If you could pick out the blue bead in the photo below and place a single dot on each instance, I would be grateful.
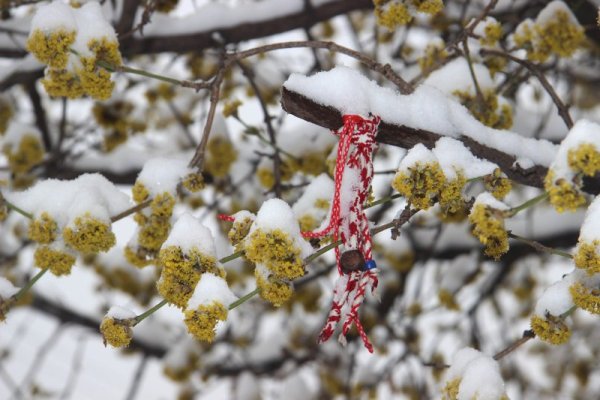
(370, 264)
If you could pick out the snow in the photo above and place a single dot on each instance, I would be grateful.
(427, 108)
(215, 16)
(590, 229)
(583, 132)
(489, 200)
(321, 188)
(456, 76)
(481, 380)
(277, 214)
(162, 174)
(556, 299)
(17, 131)
(188, 233)
(91, 193)
(419, 154)
(91, 24)
(548, 13)
(479, 374)
(54, 16)
(454, 157)
(457, 271)
(118, 312)
(210, 289)
(7, 289)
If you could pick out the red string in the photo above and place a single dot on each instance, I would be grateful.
(225, 217)
(355, 152)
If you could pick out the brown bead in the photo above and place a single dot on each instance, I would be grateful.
(352, 260)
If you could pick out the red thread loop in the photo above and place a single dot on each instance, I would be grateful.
(225, 217)
(348, 222)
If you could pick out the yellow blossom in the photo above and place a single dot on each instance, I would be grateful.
(585, 298)
(496, 184)
(88, 234)
(421, 185)
(221, 154)
(26, 155)
(140, 192)
(43, 229)
(434, 54)
(194, 182)
(563, 195)
(551, 329)
(428, 6)
(6, 113)
(273, 290)
(488, 227)
(62, 83)
(277, 251)
(392, 15)
(492, 33)
(116, 332)
(584, 159)
(587, 257)
(57, 261)
(51, 48)
(202, 321)
(451, 199)
(448, 300)
(489, 112)
(239, 230)
(450, 391)
(230, 108)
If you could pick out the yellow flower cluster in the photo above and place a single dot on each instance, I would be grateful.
(492, 34)
(497, 184)
(448, 300)
(6, 113)
(564, 195)
(271, 289)
(550, 329)
(421, 185)
(584, 159)
(450, 390)
(117, 332)
(26, 155)
(201, 322)
(221, 154)
(277, 251)
(193, 182)
(489, 112)
(239, 230)
(89, 235)
(153, 226)
(51, 48)
(165, 6)
(393, 13)
(450, 198)
(164, 91)
(75, 72)
(488, 228)
(266, 177)
(58, 261)
(560, 35)
(181, 273)
(434, 54)
(585, 297)
(43, 229)
(587, 256)
(231, 108)
(116, 118)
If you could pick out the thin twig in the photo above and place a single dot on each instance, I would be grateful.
(527, 336)
(563, 110)
(540, 247)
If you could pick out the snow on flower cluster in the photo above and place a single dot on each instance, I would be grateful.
(79, 47)
(192, 278)
(23, 148)
(487, 218)
(116, 326)
(160, 182)
(577, 156)
(473, 375)
(426, 176)
(555, 31)
(70, 217)
(274, 243)
(393, 13)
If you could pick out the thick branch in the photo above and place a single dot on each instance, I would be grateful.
(218, 37)
(406, 137)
